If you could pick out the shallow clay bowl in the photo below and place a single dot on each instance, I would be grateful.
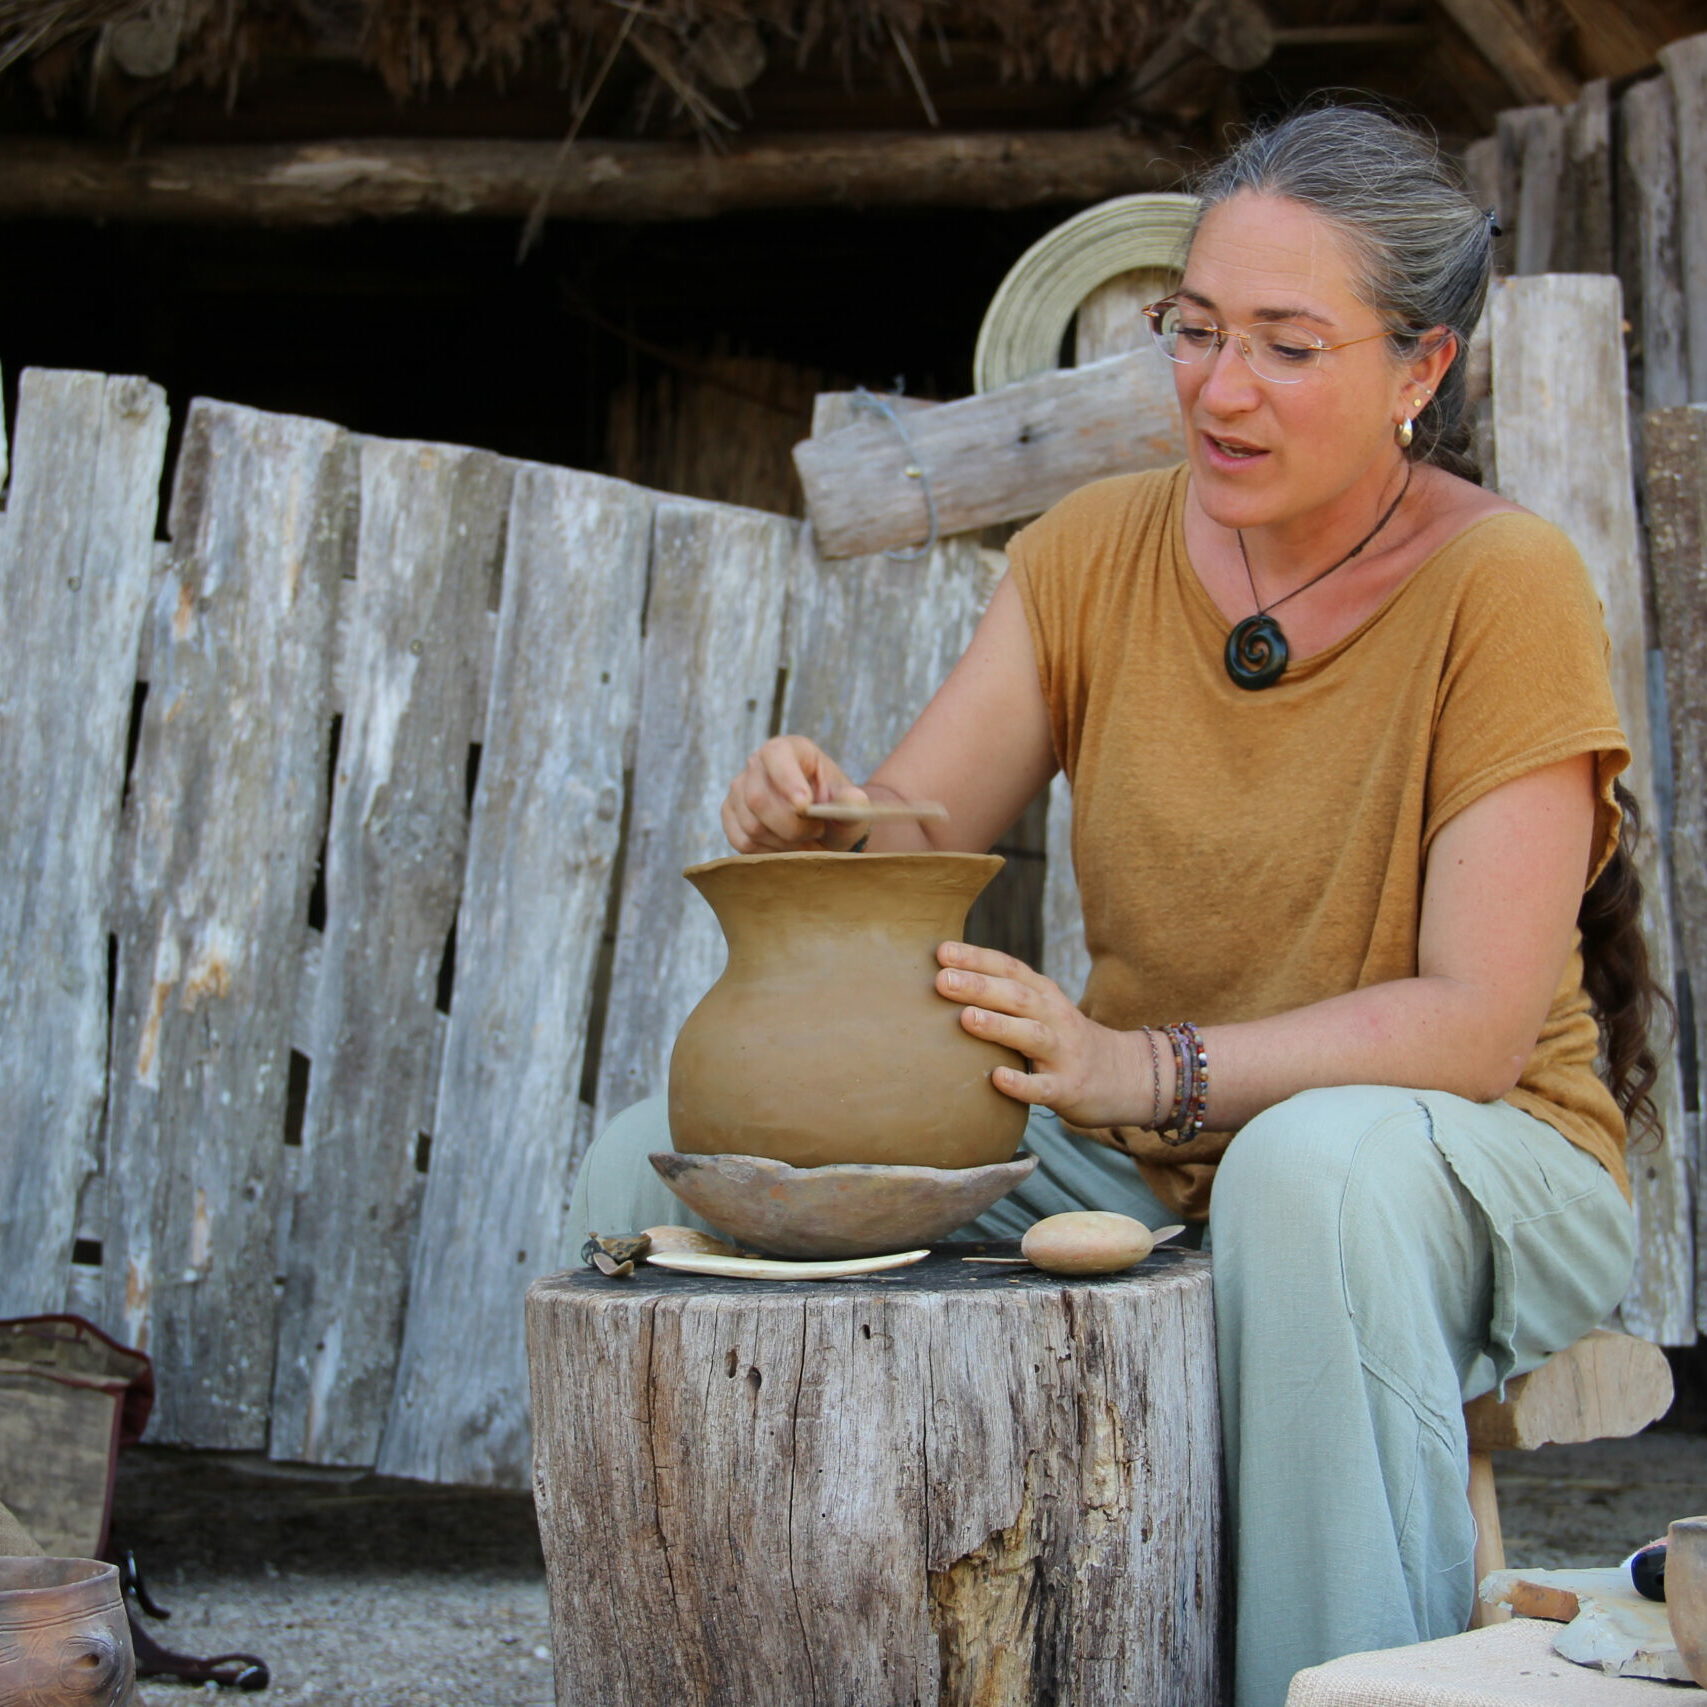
(848, 1209)
(1686, 1593)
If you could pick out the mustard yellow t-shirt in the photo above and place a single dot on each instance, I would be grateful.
(1243, 853)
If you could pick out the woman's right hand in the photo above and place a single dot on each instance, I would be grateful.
(763, 811)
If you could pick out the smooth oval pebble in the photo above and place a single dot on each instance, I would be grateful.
(1086, 1241)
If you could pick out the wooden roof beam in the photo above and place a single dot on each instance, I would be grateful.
(1505, 39)
(331, 183)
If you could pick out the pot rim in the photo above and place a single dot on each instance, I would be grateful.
(820, 856)
(79, 1587)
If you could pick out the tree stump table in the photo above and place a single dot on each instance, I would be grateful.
(954, 1484)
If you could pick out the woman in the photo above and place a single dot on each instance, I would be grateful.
(1343, 750)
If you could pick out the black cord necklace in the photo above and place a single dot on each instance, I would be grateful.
(1256, 649)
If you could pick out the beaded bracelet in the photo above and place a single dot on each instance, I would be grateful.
(1182, 1078)
(1191, 1095)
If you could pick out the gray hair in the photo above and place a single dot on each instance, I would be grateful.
(1424, 247)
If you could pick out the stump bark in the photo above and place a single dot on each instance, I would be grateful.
(953, 1484)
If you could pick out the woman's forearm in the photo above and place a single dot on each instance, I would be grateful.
(1430, 1033)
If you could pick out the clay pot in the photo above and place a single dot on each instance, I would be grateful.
(64, 1637)
(825, 1040)
(1686, 1593)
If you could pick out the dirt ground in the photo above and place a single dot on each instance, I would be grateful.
(364, 1592)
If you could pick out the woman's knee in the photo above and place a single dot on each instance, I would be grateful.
(1302, 1155)
(1348, 1183)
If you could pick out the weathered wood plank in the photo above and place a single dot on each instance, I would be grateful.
(1534, 139)
(1559, 358)
(76, 551)
(416, 1115)
(988, 459)
(1685, 64)
(431, 538)
(1650, 184)
(225, 810)
(1111, 319)
(1677, 559)
(1021, 1480)
(343, 691)
(869, 640)
(542, 849)
(1588, 151)
(713, 647)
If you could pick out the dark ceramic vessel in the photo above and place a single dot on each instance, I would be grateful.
(1686, 1593)
(64, 1637)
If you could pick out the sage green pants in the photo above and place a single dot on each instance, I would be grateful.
(1381, 1255)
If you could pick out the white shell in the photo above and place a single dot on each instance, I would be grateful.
(773, 1268)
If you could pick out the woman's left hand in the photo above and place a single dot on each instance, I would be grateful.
(1088, 1074)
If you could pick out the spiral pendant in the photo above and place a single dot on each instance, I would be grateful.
(1256, 652)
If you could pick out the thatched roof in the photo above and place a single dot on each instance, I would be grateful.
(692, 59)
(1165, 76)
(695, 46)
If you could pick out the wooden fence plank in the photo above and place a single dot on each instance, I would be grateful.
(542, 848)
(869, 640)
(1677, 547)
(1685, 64)
(1485, 171)
(431, 538)
(1537, 143)
(988, 459)
(1564, 451)
(1111, 319)
(1650, 182)
(75, 556)
(225, 810)
(713, 647)
(1588, 210)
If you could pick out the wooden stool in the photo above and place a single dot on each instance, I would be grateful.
(954, 1483)
(1605, 1386)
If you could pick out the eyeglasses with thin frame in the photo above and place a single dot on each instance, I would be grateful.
(1278, 352)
